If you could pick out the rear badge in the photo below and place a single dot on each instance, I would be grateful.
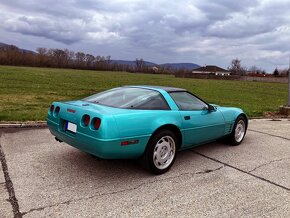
(71, 110)
(85, 104)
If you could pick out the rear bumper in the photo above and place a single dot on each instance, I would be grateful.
(102, 148)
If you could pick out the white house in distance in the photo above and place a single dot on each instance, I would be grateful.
(211, 69)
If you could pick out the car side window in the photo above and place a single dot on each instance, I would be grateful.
(187, 101)
(153, 103)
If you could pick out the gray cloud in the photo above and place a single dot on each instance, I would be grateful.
(200, 31)
(58, 31)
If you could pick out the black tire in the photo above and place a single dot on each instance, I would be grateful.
(238, 132)
(156, 153)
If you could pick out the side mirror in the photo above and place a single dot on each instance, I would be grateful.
(211, 108)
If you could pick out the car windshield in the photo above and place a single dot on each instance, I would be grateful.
(130, 98)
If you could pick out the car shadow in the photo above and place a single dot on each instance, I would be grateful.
(85, 164)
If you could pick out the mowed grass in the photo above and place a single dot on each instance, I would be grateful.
(26, 93)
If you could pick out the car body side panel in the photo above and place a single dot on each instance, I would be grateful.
(145, 122)
(202, 126)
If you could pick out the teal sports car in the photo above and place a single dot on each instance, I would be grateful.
(147, 122)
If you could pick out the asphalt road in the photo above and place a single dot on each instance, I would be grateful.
(45, 178)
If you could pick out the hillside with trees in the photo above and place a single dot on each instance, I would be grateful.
(65, 58)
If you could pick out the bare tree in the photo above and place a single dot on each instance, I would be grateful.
(236, 68)
(42, 56)
(256, 70)
(139, 64)
(89, 59)
(107, 62)
(80, 59)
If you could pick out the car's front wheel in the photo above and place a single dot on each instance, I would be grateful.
(161, 152)
(239, 131)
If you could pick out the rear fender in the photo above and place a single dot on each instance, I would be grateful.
(146, 122)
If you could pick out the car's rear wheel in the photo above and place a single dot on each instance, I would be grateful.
(239, 131)
(161, 152)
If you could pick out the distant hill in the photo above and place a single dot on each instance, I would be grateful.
(132, 63)
(23, 50)
(2, 44)
(175, 66)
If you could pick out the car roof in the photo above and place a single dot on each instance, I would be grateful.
(165, 88)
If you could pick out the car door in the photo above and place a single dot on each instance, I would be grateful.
(199, 124)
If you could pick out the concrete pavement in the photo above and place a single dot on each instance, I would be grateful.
(52, 179)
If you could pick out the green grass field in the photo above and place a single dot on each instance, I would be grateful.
(26, 93)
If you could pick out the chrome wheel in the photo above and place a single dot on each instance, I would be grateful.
(240, 130)
(164, 152)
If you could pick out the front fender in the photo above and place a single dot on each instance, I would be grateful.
(230, 115)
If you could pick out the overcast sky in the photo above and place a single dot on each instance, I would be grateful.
(196, 31)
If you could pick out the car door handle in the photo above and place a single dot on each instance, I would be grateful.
(187, 117)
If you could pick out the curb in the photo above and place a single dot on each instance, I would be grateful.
(23, 125)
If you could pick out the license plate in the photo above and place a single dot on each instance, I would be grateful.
(71, 127)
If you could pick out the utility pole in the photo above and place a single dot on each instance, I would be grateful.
(285, 109)
(289, 84)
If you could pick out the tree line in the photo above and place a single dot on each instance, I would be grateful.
(58, 58)
(65, 58)
(236, 68)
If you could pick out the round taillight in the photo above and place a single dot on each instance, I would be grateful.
(51, 108)
(97, 123)
(86, 120)
(57, 109)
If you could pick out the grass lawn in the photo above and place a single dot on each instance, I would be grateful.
(26, 92)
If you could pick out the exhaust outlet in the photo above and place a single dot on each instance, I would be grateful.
(58, 140)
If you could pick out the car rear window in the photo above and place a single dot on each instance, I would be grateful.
(130, 98)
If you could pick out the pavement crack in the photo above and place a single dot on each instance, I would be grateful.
(121, 191)
(9, 185)
(243, 171)
(48, 206)
(277, 136)
(265, 164)
(209, 170)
